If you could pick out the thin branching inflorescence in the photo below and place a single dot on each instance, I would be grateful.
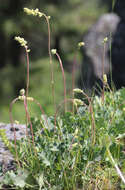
(104, 78)
(80, 44)
(36, 12)
(23, 43)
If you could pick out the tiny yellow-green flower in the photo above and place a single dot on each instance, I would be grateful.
(22, 42)
(53, 51)
(80, 44)
(105, 40)
(77, 90)
(105, 78)
(34, 12)
(22, 92)
(78, 102)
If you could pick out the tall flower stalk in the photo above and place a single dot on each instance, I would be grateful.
(80, 44)
(63, 75)
(103, 66)
(36, 12)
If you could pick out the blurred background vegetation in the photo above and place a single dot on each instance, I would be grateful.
(70, 20)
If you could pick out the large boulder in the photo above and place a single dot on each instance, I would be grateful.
(94, 54)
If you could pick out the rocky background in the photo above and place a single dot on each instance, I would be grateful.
(110, 25)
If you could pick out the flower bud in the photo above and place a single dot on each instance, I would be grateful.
(105, 40)
(53, 51)
(80, 44)
(77, 90)
(105, 78)
(78, 102)
(22, 92)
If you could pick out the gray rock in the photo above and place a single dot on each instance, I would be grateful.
(6, 158)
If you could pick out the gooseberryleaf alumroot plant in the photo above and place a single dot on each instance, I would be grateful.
(66, 157)
(83, 149)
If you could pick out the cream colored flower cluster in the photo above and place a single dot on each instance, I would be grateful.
(77, 90)
(53, 51)
(34, 12)
(80, 44)
(77, 102)
(105, 40)
(22, 42)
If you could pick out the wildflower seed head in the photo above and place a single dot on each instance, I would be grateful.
(21, 98)
(28, 11)
(77, 90)
(22, 42)
(34, 12)
(22, 92)
(105, 78)
(80, 44)
(53, 51)
(49, 17)
(105, 40)
(78, 102)
(40, 14)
